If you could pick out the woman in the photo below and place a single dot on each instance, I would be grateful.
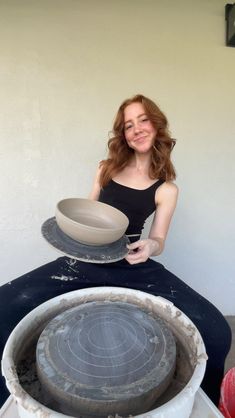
(137, 176)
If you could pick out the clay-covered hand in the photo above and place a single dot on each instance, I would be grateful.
(141, 250)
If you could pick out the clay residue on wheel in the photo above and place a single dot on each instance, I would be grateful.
(184, 332)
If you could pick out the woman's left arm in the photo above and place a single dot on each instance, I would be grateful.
(165, 199)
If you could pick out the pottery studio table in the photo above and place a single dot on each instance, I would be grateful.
(20, 296)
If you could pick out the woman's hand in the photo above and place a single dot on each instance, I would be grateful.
(141, 250)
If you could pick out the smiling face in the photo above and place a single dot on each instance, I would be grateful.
(139, 131)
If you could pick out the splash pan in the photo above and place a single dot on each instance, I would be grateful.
(176, 401)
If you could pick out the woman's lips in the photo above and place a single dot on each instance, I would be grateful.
(141, 138)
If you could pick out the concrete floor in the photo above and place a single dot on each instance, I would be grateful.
(230, 361)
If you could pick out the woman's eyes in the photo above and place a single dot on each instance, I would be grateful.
(143, 120)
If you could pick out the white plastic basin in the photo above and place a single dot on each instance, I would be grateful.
(184, 330)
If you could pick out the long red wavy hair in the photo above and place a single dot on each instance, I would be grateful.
(120, 153)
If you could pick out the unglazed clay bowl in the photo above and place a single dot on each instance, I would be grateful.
(90, 222)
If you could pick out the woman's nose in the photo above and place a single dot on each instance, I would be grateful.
(137, 127)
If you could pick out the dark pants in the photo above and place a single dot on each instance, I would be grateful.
(20, 296)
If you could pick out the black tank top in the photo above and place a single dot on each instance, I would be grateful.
(137, 205)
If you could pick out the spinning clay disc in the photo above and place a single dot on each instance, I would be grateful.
(102, 358)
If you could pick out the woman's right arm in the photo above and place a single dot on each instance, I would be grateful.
(95, 191)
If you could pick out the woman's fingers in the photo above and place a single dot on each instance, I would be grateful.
(141, 250)
(135, 245)
(138, 252)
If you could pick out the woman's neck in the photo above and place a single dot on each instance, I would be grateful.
(140, 162)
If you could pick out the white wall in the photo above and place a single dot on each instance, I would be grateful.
(65, 67)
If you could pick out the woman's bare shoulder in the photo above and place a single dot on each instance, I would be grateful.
(169, 187)
(95, 191)
(167, 190)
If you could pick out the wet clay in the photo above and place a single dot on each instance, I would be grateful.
(90, 221)
(189, 347)
(27, 374)
(103, 357)
(106, 253)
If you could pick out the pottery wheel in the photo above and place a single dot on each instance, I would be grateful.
(92, 254)
(103, 358)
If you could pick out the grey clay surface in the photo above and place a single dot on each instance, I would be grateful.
(108, 253)
(105, 356)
